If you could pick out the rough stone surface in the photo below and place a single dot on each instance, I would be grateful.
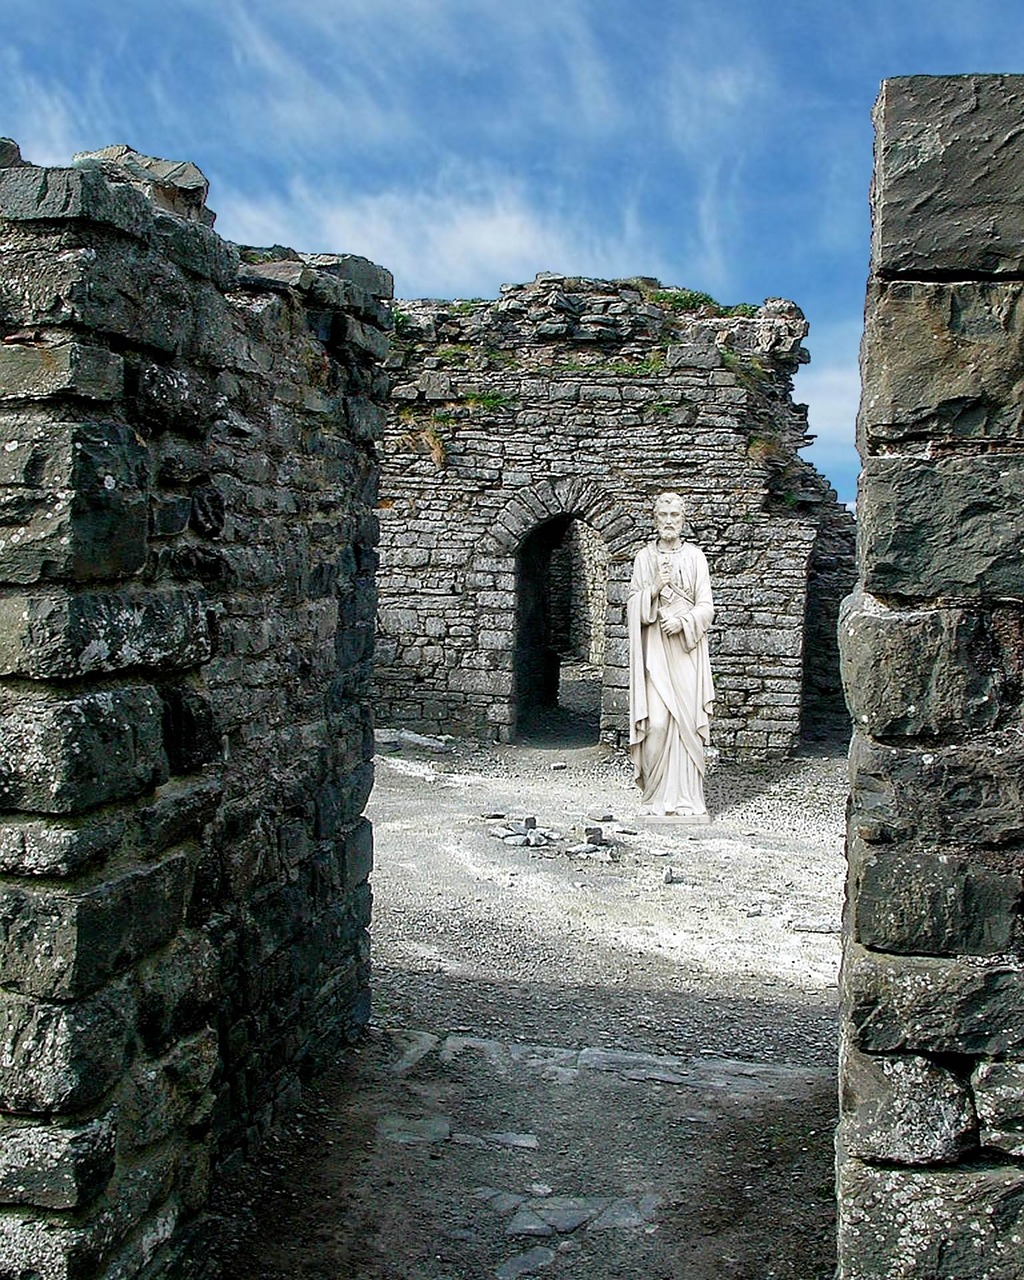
(526, 442)
(947, 167)
(904, 1110)
(923, 1225)
(932, 658)
(942, 528)
(187, 480)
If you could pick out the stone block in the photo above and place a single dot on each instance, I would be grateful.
(55, 1167)
(62, 945)
(66, 754)
(41, 847)
(946, 190)
(178, 812)
(63, 636)
(358, 854)
(908, 672)
(365, 338)
(952, 527)
(955, 795)
(177, 989)
(365, 418)
(903, 1110)
(928, 1005)
(172, 1092)
(73, 501)
(31, 371)
(31, 194)
(198, 250)
(46, 1249)
(376, 280)
(931, 903)
(998, 1089)
(62, 1057)
(942, 362)
(934, 1224)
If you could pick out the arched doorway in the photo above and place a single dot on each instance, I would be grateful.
(561, 604)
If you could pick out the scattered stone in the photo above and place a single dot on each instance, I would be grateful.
(524, 1264)
(527, 1223)
(413, 1130)
(621, 1214)
(418, 1045)
(518, 1141)
(594, 835)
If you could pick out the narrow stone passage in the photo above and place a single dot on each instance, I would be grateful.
(576, 1068)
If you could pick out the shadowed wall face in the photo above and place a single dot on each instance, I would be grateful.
(932, 1127)
(186, 619)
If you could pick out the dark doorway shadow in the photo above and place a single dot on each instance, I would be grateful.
(561, 597)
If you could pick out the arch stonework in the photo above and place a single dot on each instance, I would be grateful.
(522, 513)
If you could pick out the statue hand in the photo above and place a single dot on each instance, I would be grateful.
(671, 626)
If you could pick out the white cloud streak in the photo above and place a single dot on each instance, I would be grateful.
(461, 238)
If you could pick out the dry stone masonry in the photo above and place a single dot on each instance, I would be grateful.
(187, 488)
(932, 1133)
(526, 440)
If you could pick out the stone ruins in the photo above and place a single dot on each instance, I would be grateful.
(188, 502)
(525, 443)
(187, 533)
(932, 1132)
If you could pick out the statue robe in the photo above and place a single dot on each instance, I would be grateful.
(671, 693)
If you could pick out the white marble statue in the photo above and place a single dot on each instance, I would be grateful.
(670, 688)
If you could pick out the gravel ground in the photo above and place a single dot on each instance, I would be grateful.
(612, 1062)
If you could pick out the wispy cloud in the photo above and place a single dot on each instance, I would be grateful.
(462, 237)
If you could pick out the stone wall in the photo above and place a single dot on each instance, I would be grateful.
(187, 530)
(932, 1133)
(575, 400)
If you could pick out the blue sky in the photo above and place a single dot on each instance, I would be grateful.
(469, 143)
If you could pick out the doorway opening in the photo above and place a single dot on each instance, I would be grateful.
(561, 604)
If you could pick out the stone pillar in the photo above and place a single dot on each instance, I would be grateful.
(187, 482)
(932, 1090)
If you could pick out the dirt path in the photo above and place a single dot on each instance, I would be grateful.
(575, 1068)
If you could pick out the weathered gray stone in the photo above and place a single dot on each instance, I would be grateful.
(969, 792)
(945, 196)
(928, 902)
(66, 754)
(367, 275)
(29, 193)
(60, 636)
(172, 1092)
(60, 945)
(41, 847)
(163, 940)
(904, 1110)
(930, 1225)
(75, 502)
(908, 672)
(175, 186)
(998, 1089)
(953, 527)
(62, 1057)
(55, 1167)
(928, 1005)
(32, 372)
(945, 363)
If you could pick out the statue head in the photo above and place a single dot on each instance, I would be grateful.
(669, 513)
